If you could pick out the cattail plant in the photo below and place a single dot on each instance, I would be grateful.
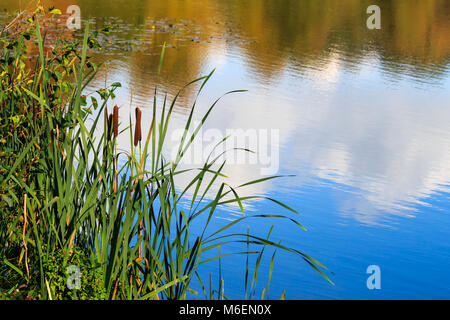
(116, 121)
(137, 131)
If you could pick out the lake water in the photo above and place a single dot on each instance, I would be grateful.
(362, 119)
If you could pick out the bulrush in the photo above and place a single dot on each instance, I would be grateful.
(137, 131)
(116, 121)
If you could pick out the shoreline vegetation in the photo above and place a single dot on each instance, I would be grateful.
(65, 201)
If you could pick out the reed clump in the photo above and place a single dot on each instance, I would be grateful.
(67, 197)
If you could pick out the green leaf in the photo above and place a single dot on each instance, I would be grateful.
(55, 11)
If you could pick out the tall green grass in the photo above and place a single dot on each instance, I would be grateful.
(68, 196)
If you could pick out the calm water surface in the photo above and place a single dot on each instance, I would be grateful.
(363, 116)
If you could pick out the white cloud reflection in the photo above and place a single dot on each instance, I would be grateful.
(387, 143)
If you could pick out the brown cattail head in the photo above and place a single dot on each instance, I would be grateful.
(137, 131)
(116, 121)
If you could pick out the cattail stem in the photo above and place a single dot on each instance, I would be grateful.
(110, 126)
(116, 134)
(109, 121)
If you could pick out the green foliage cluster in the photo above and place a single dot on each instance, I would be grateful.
(20, 113)
(22, 126)
(59, 278)
(90, 277)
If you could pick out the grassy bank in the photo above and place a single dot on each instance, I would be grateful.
(69, 198)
